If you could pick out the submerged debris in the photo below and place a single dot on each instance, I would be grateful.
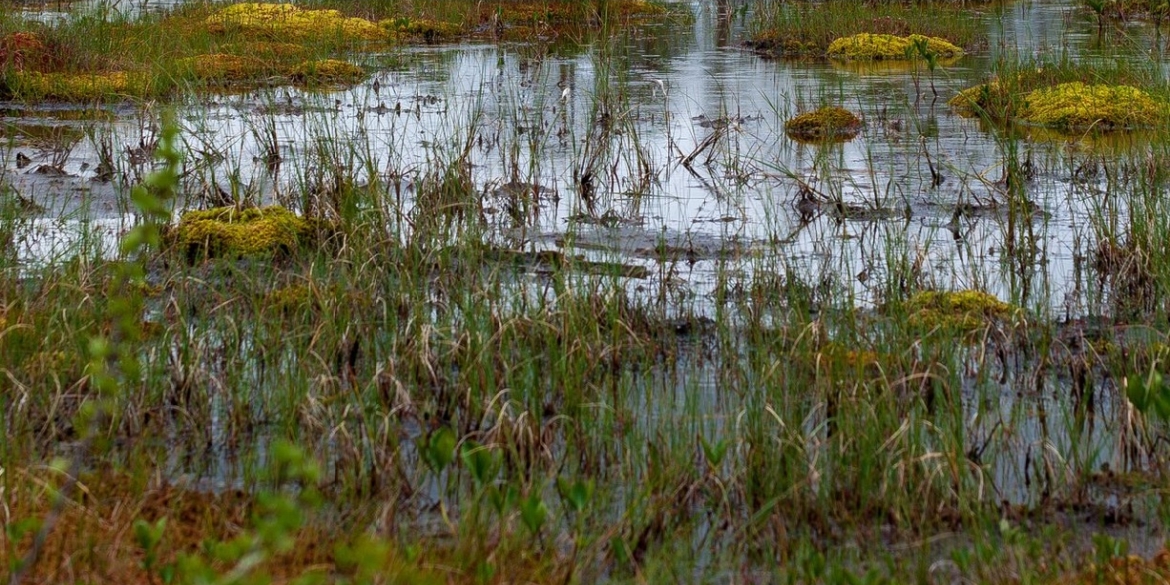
(1079, 106)
(828, 123)
(234, 232)
(878, 46)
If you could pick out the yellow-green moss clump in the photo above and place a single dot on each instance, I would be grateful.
(76, 87)
(291, 299)
(268, 50)
(232, 232)
(875, 46)
(964, 310)
(430, 31)
(971, 102)
(1078, 106)
(327, 71)
(285, 22)
(828, 123)
(222, 67)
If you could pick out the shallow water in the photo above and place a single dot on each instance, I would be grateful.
(627, 113)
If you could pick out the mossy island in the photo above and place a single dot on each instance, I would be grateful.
(1079, 106)
(830, 123)
(962, 310)
(867, 46)
(1072, 107)
(285, 22)
(231, 232)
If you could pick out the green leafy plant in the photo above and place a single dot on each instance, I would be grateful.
(1150, 394)
(439, 449)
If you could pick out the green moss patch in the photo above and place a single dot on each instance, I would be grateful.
(77, 87)
(964, 310)
(1080, 106)
(424, 29)
(232, 232)
(285, 22)
(868, 46)
(828, 123)
(973, 101)
(222, 67)
(327, 71)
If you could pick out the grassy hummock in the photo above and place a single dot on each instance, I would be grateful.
(828, 123)
(867, 46)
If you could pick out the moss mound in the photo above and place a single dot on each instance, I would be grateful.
(868, 46)
(222, 67)
(327, 71)
(232, 232)
(76, 87)
(964, 310)
(970, 102)
(828, 123)
(426, 30)
(284, 22)
(1077, 105)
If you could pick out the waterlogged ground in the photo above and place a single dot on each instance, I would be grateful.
(661, 157)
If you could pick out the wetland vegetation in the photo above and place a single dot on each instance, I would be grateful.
(609, 291)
